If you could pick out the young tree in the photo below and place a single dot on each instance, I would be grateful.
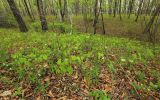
(96, 15)
(151, 22)
(139, 10)
(18, 17)
(110, 7)
(115, 8)
(42, 15)
(125, 7)
(28, 10)
(103, 26)
(130, 7)
(77, 6)
(120, 7)
(31, 9)
(63, 9)
(86, 13)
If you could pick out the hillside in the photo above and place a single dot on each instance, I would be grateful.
(47, 65)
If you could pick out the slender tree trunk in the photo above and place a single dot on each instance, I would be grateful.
(42, 15)
(149, 25)
(96, 16)
(125, 7)
(148, 8)
(28, 11)
(22, 11)
(31, 9)
(61, 11)
(86, 14)
(120, 5)
(76, 6)
(17, 16)
(103, 26)
(110, 7)
(115, 8)
(130, 8)
(139, 10)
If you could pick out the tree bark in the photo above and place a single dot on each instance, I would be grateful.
(115, 8)
(96, 16)
(42, 15)
(110, 7)
(31, 9)
(62, 12)
(103, 26)
(130, 8)
(139, 10)
(120, 9)
(125, 7)
(151, 22)
(17, 16)
(28, 11)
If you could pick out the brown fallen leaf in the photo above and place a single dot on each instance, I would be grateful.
(107, 88)
(47, 79)
(53, 77)
(38, 97)
(28, 95)
(50, 94)
(53, 99)
(62, 98)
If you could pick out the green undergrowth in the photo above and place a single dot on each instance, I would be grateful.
(56, 27)
(29, 57)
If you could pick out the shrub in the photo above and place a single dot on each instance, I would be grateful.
(63, 27)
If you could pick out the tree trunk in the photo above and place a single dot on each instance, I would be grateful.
(76, 6)
(110, 7)
(139, 10)
(28, 11)
(156, 12)
(125, 7)
(130, 8)
(120, 5)
(96, 16)
(61, 11)
(31, 9)
(42, 15)
(18, 17)
(115, 8)
(103, 26)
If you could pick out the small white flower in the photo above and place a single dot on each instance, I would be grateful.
(39, 74)
(123, 60)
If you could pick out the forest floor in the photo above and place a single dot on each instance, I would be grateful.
(41, 66)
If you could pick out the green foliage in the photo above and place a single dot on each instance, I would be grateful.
(99, 95)
(32, 56)
(63, 67)
(138, 86)
(155, 73)
(155, 86)
(150, 87)
(18, 91)
(111, 67)
(36, 26)
(41, 88)
(140, 76)
(3, 56)
(91, 74)
(66, 28)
